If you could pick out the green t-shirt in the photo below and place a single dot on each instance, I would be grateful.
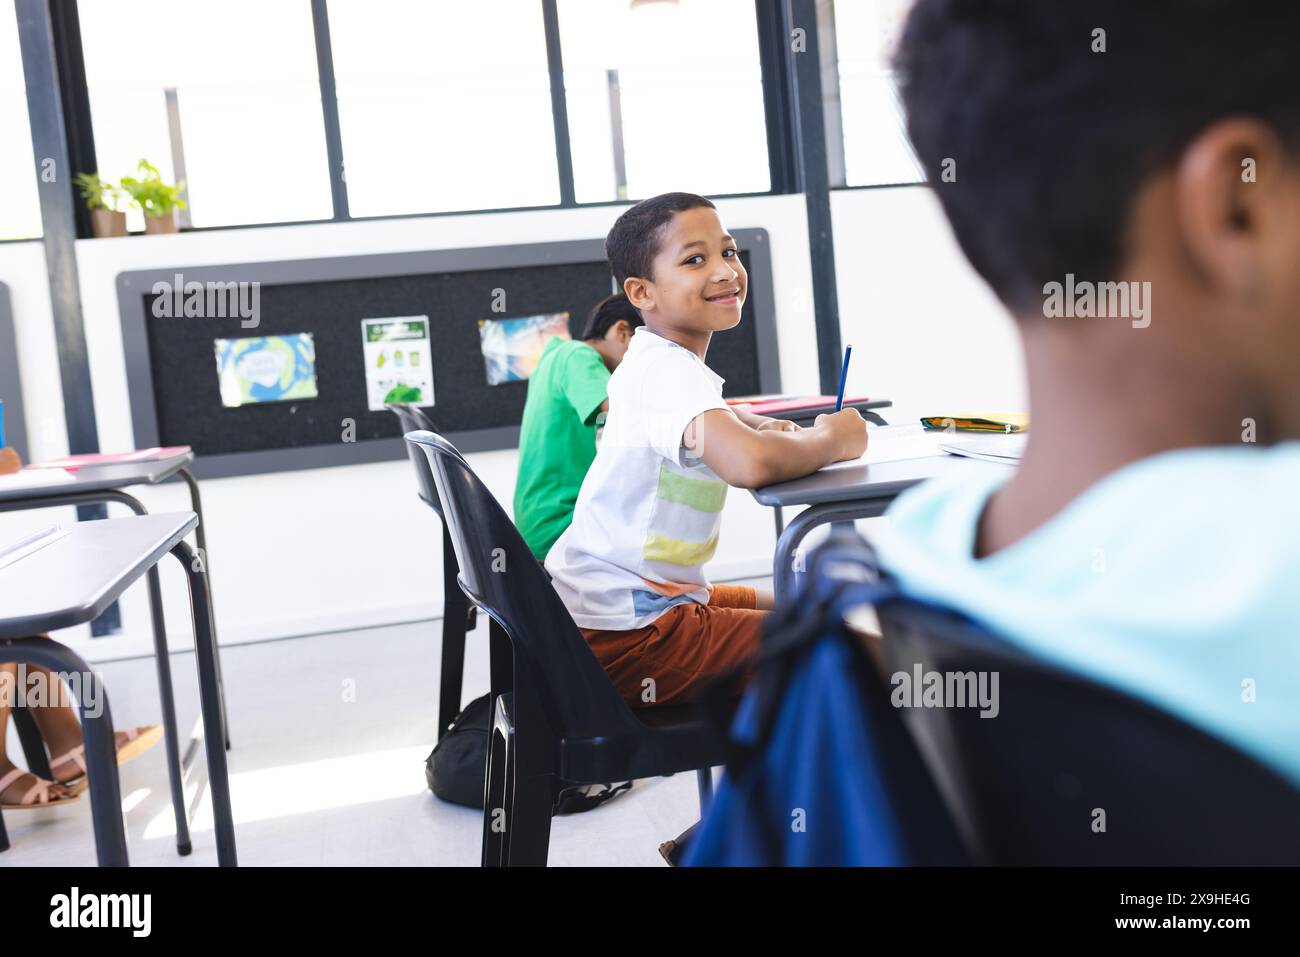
(557, 440)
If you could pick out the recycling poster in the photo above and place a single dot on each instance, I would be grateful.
(398, 365)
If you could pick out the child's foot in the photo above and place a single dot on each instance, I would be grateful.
(21, 790)
(672, 851)
(69, 768)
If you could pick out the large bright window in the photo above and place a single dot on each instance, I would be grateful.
(663, 95)
(20, 210)
(876, 150)
(443, 105)
(245, 98)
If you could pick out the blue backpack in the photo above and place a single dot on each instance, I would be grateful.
(820, 770)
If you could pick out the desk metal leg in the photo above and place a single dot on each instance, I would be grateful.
(166, 696)
(35, 750)
(778, 516)
(97, 727)
(205, 654)
(784, 574)
(171, 733)
(201, 537)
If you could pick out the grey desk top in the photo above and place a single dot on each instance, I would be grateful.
(810, 414)
(882, 480)
(72, 580)
(97, 478)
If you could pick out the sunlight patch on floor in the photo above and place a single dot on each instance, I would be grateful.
(311, 787)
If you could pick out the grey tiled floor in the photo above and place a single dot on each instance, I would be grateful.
(329, 737)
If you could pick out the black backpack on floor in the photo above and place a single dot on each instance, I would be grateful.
(458, 764)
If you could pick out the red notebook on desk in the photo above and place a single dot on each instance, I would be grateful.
(74, 462)
(791, 403)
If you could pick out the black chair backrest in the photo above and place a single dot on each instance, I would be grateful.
(502, 576)
(1066, 756)
(414, 419)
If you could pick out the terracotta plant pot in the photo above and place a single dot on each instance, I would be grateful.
(105, 223)
(165, 223)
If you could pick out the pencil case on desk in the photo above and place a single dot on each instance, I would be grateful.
(992, 422)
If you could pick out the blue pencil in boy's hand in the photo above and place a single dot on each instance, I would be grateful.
(844, 377)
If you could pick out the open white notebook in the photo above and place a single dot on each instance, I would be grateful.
(1002, 449)
(895, 443)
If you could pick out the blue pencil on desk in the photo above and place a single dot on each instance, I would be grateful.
(844, 377)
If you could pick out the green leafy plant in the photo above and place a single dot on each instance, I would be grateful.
(98, 193)
(151, 194)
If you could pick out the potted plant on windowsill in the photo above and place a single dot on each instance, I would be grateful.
(157, 199)
(102, 199)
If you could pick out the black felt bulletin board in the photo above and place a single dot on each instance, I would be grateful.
(173, 377)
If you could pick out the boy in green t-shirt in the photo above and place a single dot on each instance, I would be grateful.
(557, 440)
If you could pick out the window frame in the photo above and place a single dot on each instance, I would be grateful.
(785, 175)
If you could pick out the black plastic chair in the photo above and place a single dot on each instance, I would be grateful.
(458, 615)
(1025, 787)
(562, 723)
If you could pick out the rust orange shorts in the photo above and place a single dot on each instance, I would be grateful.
(683, 649)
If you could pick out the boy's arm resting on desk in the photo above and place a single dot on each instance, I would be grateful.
(761, 422)
(747, 458)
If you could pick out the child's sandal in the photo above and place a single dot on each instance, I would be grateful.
(38, 796)
(76, 756)
(138, 741)
(133, 742)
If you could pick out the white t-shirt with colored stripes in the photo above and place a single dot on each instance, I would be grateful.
(648, 512)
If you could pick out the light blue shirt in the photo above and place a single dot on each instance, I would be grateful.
(1175, 579)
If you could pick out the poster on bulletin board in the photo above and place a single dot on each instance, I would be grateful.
(513, 347)
(266, 369)
(398, 365)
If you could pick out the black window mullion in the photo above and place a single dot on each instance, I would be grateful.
(70, 63)
(39, 39)
(58, 202)
(559, 103)
(330, 109)
(778, 99)
(810, 138)
(792, 99)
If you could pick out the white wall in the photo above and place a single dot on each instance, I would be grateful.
(925, 329)
(325, 549)
(22, 269)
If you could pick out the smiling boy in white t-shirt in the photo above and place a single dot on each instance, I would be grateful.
(630, 566)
